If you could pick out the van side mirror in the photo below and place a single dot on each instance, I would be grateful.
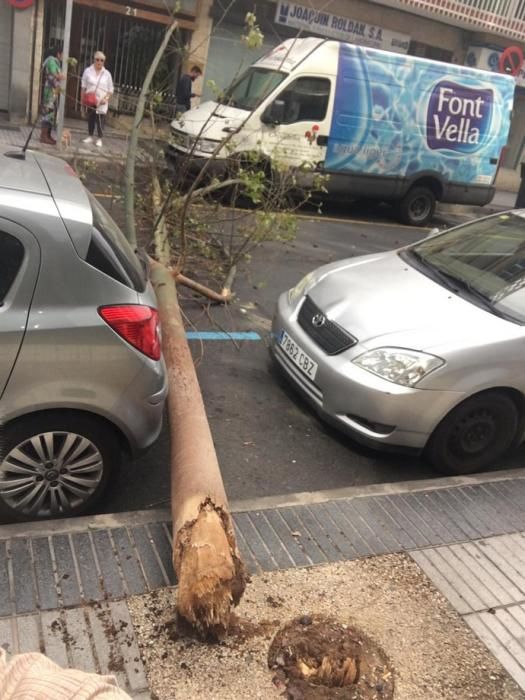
(274, 113)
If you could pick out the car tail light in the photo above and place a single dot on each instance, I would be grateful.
(138, 325)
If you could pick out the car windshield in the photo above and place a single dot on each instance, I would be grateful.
(484, 259)
(252, 88)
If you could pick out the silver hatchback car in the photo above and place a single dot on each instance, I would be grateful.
(417, 348)
(81, 373)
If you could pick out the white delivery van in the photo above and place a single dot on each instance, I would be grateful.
(381, 125)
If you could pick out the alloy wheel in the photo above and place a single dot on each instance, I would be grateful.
(50, 474)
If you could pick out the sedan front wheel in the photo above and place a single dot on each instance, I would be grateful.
(475, 434)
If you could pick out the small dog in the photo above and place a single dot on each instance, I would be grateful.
(66, 138)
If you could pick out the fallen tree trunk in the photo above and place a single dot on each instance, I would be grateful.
(211, 576)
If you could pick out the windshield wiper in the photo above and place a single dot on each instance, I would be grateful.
(456, 284)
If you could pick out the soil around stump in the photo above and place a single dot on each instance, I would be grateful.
(316, 657)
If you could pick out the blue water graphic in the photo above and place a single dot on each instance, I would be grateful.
(398, 116)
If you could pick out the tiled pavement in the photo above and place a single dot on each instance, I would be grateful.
(485, 581)
(63, 586)
(115, 144)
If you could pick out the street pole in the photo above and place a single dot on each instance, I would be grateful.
(65, 60)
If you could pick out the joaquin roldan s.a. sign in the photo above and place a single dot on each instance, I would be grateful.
(343, 28)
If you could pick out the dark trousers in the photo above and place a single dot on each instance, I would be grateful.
(95, 119)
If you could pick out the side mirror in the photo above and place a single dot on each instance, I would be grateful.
(274, 113)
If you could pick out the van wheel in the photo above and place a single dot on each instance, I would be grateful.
(417, 206)
(474, 435)
(55, 465)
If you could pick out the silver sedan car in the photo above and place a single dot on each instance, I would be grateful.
(418, 348)
(82, 379)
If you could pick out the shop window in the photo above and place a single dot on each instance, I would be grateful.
(435, 53)
(306, 99)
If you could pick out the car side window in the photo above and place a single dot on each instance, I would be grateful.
(306, 99)
(11, 257)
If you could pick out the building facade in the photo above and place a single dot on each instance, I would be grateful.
(472, 32)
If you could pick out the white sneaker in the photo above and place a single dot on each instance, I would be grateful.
(88, 140)
(99, 143)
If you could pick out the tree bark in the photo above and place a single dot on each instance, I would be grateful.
(223, 298)
(129, 174)
(211, 576)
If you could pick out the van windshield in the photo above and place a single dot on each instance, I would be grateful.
(252, 88)
(484, 261)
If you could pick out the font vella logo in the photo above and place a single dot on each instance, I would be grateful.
(458, 117)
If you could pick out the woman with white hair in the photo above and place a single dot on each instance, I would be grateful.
(96, 89)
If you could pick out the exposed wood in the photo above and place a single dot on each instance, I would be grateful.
(222, 298)
(211, 576)
(227, 289)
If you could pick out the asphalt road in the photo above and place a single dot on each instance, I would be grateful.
(268, 440)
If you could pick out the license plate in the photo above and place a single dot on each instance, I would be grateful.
(298, 356)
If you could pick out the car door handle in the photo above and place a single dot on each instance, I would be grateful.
(494, 161)
(322, 140)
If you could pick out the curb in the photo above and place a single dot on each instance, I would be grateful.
(64, 585)
(141, 517)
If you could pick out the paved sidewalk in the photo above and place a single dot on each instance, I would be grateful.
(115, 142)
(64, 584)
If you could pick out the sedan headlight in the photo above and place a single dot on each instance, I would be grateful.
(397, 365)
(206, 145)
(300, 288)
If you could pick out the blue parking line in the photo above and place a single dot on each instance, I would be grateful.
(221, 335)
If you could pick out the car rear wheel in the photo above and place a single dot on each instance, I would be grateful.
(417, 206)
(55, 465)
(474, 434)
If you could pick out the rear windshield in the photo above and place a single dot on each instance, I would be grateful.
(110, 252)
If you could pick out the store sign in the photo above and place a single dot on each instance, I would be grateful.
(20, 4)
(497, 60)
(337, 27)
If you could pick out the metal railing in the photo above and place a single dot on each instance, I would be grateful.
(505, 17)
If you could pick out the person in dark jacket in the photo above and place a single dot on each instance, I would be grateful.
(184, 91)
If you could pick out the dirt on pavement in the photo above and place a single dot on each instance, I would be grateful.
(432, 653)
